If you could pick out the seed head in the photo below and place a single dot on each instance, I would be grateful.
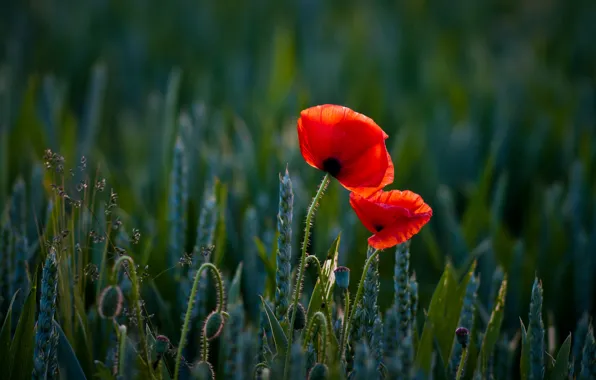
(203, 371)
(342, 277)
(319, 372)
(213, 325)
(162, 344)
(110, 302)
(300, 320)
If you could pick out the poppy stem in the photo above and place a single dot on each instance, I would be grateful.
(191, 301)
(345, 332)
(462, 364)
(348, 322)
(298, 287)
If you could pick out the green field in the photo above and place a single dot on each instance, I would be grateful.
(141, 140)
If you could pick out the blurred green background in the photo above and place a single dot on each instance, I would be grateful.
(490, 107)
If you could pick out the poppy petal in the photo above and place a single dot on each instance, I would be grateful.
(372, 214)
(404, 199)
(398, 233)
(345, 143)
(393, 216)
(387, 179)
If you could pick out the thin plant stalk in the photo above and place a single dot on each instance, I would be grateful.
(357, 299)
(344, 332)
(321, 320)
(135, 299)
(205, 349)
(462, 364)
(104, 256)
(121, 349)
(298, 286)
(191, 298)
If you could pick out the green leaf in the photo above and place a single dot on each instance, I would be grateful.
(549, 364)
(5, 335)
(561, 369)
(69, 365)
(102, 372)
(21, 348)
(324, 286)
(323, 292)
(494, 327)
(473, 350)
(524, 364)
(442, 317)
(279, 337)
(440, 368)
(234, 292)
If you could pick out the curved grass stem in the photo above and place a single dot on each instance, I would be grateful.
(191, 298)
(298, 286)
(321, 321)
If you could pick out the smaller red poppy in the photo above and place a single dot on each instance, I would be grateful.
(347, 145)
(392, 216)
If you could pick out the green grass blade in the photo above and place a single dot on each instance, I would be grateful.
(561, 369)
(5, 335)
(279, 337)
(21, 348)
(69, 365)
(524, 363)
(324, 285)
(442, 318)
(234, 292)
(494, 327)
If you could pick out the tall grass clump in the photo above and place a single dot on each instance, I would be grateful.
(44, 366)
(536, 333)
(284, 246)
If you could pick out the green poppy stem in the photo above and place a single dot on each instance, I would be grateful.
(344, 330)
(462, 363)
(189, 307)
(298, 287)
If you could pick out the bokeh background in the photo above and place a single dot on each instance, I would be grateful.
(490, 107)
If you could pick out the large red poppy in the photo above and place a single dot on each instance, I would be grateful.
(347, 145)
(392, 216)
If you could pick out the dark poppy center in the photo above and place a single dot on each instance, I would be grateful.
(332, 166)
(378, 228)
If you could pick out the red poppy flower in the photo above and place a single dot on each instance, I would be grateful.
(347, 145)
(392, 216)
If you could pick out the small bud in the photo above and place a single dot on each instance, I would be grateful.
(213, 325)
(162, 343)
(265, 374)
(342, 277)
(463, 336)
(300, 320)
(110, 302)
(319, 372)
(203, 371)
